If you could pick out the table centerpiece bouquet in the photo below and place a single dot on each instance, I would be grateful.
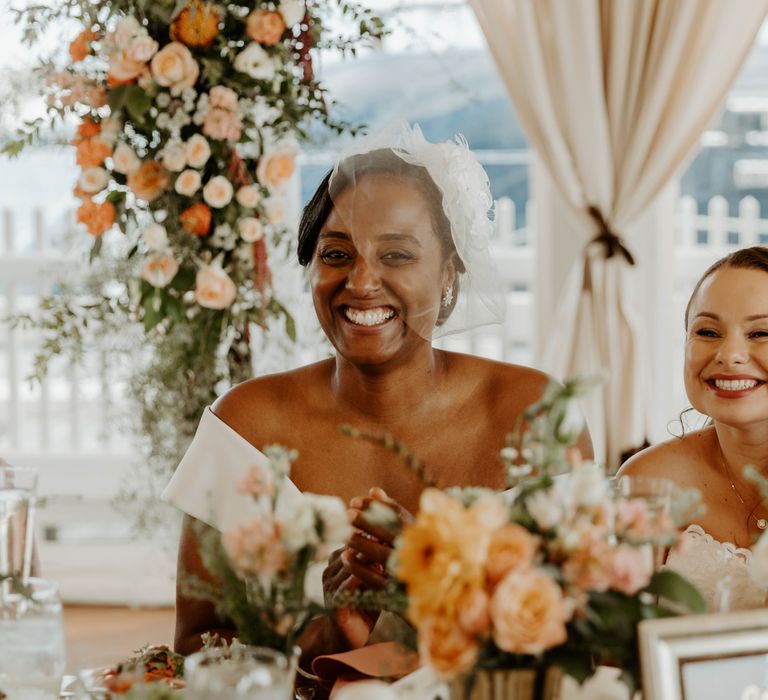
(556, 572)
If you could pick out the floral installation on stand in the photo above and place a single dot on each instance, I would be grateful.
(187, 117)
(262, 568)
(554, 572)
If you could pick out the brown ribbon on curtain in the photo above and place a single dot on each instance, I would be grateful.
(612, 242)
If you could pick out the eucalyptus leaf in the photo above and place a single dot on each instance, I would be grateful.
(670, 586)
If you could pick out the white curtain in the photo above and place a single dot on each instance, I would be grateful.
(613, 95)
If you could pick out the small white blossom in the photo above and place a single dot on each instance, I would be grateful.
(162, 100)
(588, 486)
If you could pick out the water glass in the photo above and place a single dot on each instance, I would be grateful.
(31, 641)
(17, 505)
(242, 672)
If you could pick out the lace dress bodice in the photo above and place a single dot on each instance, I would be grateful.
(706, 562)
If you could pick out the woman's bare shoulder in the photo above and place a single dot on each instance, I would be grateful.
(505, 378)
(672, 458)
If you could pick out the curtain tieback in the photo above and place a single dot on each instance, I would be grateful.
(613, 243)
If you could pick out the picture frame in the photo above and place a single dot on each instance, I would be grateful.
(720, 656)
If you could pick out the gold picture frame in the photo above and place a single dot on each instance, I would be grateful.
(721, 656)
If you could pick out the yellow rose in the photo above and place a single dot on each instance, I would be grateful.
(174, 67)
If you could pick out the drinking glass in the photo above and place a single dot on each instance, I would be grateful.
(31, 641)
(17, 508)
(242, 672)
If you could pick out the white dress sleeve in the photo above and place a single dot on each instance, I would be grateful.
(205, 482)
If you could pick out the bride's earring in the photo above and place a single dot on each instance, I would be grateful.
(448, 296)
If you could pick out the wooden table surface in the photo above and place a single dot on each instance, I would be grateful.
(100, 636)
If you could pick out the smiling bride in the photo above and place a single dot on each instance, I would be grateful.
(396, 242)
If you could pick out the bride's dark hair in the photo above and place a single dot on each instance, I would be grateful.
(753, 258)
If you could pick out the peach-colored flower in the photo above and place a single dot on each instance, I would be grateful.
(110, 130)
(218, 192)
(87, 129)
(196, 219)
(214, 289)
(196, 25)
(277, 165)
(512, 548)
(265, 26)
(198, 151)
(159, 269)
(187, 183)
(474, 612)
(175, 157)
(251, 229)
(96, 217)
(275, 210)
(633, 518)
(631, 568)
(93, 179)
(445, 647)
(142, 48)
(256, 548)
(528, 613)
(123, 69)
(91, 152)
(174, 67)
(155, 237)
(149, 180)
(588, 567)
(222, 124)
(81, 45)
(248, 196)
(293, 11)
(257, 482)
(124, 160)
(86, 93)
(223, 97)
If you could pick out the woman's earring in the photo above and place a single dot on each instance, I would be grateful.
(448, 296)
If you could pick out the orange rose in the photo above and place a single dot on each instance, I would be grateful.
(196, 25)
(445, 647)
(265, 27)
(88, 129)
(196, 219)
(92, 152)
(512, 548)
(149, 180)
(80, 46)
(96, 217)
(528, 613)
(276, 166)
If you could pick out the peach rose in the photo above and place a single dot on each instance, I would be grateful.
(124, 160)
(528, 613)
(81, 45)
(445, 647)
(223, 98)
(265, 26)
(214, 289)
(221, 124)
(142, 48)
(187, 183)
(174, 67)
(475, 612)
(91, 152)
(251, 229)
(149, 180)
(175, 157)
(257, 482)
(159, 269)
(512, 548)
(275, 210)
(198, 151)
(218, 192)
(631, 568)
(588, 566)
(96, 217)
(93, 180)
(277, 165)
(122, 69)
(86, 93)
(196, 219)
(248, 196)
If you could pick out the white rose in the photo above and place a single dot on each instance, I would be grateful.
(587, 485)
(298, 524)
(175, 157)
(544, 507)
(142, 48)
(159, 269)
(155, 237)
(333, 518)
(570, 424)
(124, 160)
(758, 564)
(218, 192)
(248, 196)
(198, 151)
(93, 179)
(187, 183)
(293, 11)
(251, 229)
(174, 67)
(256, 62)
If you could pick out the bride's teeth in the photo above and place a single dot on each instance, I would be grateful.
(735, 384)
(368, 317)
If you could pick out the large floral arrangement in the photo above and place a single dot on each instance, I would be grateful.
(187, 115)
(262, 567)
(553, 572)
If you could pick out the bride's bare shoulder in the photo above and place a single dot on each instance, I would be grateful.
(671, 458)
(504, 378)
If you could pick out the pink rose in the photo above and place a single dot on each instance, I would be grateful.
(631, 568)
(214, 289)
(222, 124)
(223, 97)
(174, 67)
(528, 613)
(256, 548)
(257, 482)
